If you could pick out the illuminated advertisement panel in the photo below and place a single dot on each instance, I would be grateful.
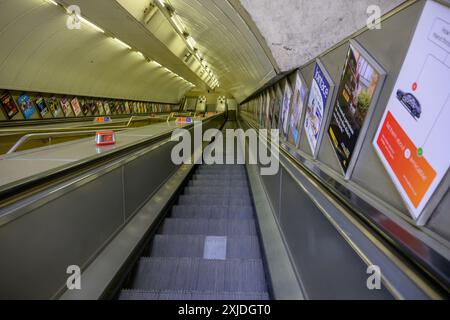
(26, 106)
(412, 140)
(9, 105)
(360, 85)
(285, 110)
(298, 106)
(317, 107)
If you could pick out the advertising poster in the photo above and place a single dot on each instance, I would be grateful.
(261, 110)
(316, 107)
(360, 81)
(26, 106)
(106, 107)
(92, 107)
(298, 103)
(65, 105)
(413, 138)
(278, 100)
(285, 110)
(85, 108)
(42, 107)
(76, 107)
(273, 100)
(8, 105)
(121, 106)
(54, 107)
(100, 109)
(267, 104)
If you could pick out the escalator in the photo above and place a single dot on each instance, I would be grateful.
(208, 247)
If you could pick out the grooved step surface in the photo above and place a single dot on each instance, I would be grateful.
(210, 227)
(212, 212)
(218, 200)
(190, 295)
(218, 183)
(238, 247)
(200, 275)
(226, 177)
(216, 191)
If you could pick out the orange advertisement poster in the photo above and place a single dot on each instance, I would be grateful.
(412, 170)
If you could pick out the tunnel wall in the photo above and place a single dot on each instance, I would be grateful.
(369, 180)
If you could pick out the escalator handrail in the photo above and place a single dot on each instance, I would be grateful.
(45, 135)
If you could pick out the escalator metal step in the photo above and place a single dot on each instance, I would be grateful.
(190, 295)
(226, 177)
(218, 200)
(218, 183)
(209, 227)
(216, 191)
(212, 212)
(206, 169)
(200, 275)
(237, 247)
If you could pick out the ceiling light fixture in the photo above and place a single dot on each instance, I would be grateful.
(122, 43)
(92, 25)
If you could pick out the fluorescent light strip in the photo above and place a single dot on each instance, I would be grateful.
(191, 42)
(177, 24)
(122, 43)
(94, 26)
(85, 21)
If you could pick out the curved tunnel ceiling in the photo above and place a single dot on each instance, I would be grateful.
(249, 42)
(245, 42)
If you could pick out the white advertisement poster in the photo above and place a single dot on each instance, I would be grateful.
(413, 138)
(285, 110)
(315, 108)
(298, 102)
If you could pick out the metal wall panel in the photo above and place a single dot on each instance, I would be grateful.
(328, 267)
(37, 248)
(144, 175)
(272, 185)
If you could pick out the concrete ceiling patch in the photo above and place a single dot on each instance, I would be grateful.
(298, 30)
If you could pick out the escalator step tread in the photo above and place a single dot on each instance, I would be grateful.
(190, 295)
(202, 170)
(212, 212)
(216, 191)
(223, 177)
(218, 183)
(210, 227)
(237, 247)
(233, 200)
(231, 275)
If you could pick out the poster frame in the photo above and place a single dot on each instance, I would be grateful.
(328, 107)
(294, 145)
(286, 87)
(375, 98)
